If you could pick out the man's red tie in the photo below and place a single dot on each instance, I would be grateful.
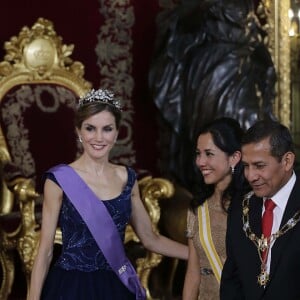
(267, 221)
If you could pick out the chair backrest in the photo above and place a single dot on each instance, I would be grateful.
(39, 88)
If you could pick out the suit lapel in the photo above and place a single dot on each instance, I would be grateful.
(292, 207)
(293, 204)
(255, 220)
(255, 213)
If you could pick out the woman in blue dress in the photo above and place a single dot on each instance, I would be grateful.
(86, 268)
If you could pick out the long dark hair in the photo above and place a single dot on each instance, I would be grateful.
(227, 135)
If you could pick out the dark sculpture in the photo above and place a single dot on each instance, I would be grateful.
(210, 61)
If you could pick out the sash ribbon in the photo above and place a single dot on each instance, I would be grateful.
(101, 226)
(207, 241)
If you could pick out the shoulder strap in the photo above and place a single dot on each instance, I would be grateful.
(96, 217)
(207, 242)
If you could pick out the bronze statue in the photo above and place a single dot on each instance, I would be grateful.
(210, 60)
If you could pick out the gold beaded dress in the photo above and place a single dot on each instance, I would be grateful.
(209, 286)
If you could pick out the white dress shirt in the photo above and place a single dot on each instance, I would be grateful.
(280, 199)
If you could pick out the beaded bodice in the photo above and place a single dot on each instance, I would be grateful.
(79, 249)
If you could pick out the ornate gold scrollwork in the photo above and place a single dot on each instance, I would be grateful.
(8, 274)
(36, 57)
(277, 26)
(152, 190)
(114, 51)
(38, 53)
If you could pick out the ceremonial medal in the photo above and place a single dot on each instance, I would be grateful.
(263, 244)
(263, 278)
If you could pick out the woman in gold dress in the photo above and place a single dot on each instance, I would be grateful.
(218, 160)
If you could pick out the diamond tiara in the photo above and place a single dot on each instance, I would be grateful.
(101, 96)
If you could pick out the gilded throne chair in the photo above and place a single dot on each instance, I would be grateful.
(39, 88)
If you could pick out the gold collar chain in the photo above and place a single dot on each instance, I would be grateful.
(263, 244)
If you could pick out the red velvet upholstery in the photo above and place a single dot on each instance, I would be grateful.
(37, 122)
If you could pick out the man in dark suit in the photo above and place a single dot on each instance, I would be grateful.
(262, 265)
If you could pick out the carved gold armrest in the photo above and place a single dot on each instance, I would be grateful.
(27, 234)
(6, 195)
(23, 188)
(152, 190)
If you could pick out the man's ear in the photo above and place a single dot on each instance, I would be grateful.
(288, 160)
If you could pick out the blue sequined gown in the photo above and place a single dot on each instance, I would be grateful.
(82, 272)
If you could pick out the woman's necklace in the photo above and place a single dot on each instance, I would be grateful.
(263, 244)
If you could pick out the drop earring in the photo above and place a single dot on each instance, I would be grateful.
(80, 139)
(232, 170)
